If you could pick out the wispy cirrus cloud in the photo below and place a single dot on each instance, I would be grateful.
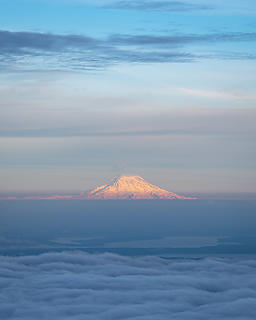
(182, 39)
(74, 52)
(21, 42)
(156, 5)
(148, 5)
(21, 50)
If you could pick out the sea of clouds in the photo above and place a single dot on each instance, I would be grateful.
(107, 286)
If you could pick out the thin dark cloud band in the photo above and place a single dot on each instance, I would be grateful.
(182, 39)
(173, 6)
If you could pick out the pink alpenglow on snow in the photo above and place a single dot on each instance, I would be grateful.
(131, 187)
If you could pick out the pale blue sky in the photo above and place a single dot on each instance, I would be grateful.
(163, 89)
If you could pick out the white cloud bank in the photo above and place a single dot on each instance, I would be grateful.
(106, 286)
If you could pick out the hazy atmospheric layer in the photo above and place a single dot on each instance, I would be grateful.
(94, 287)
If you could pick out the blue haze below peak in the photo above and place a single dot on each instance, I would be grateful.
(129, 227)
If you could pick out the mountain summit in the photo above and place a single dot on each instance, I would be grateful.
(131, 187)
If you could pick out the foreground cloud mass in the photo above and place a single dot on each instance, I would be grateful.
(107, 286)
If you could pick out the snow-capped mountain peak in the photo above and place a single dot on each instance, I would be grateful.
(131, 187)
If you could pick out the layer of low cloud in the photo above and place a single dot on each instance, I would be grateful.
(77, 52)
(82, 286)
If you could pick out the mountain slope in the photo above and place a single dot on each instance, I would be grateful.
(131, 187)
